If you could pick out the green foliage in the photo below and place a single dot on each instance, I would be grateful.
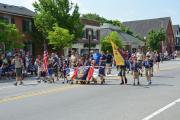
(10, 36)
(94, 16)
(60, 38)
(61, 12)
(102, 20)
(105, 42)
(154, 39)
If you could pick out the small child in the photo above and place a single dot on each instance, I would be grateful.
(148, 65)
(135, 71)
(66, 71)
(50, 72)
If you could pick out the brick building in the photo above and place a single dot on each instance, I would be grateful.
(22, 18)
(143, 27)
(91, 34)
(176, 29)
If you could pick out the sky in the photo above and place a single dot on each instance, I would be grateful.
(123, 10)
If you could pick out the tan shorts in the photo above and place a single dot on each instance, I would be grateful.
(136, 75)
(148, 72)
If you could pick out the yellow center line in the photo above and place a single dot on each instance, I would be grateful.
(38, 93)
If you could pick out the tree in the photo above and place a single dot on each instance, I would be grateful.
(10, 36)
(155, 38)
(106, 44)
(60, 38)
(61, 12)
(102, 20)
(94, 16)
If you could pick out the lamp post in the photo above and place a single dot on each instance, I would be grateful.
(89, 34)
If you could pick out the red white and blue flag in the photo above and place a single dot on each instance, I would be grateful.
(45, 60)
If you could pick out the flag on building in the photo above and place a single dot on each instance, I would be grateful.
(117, 55)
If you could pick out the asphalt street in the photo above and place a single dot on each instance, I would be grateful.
(112, 101)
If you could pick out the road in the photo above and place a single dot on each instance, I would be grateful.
(112, 101)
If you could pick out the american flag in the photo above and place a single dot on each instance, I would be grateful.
(45, 60)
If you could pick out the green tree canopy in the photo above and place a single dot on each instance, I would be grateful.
(10, 36)
(60, 38)
(94, 16)
(154, 39)
(105, 42)
(61, 12)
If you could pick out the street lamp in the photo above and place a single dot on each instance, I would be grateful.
(89, 34)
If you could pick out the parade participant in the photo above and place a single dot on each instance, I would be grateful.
(151, 57)
(135, 71)
(109, 60)
(140, 57)
(50, 70)
(73, 59)
(65, 72)
(96, 56)
(102, 67)
(122, 68)
(17, 61)
(55, 62)
(148, 64)
(38, 64)
(158, 59)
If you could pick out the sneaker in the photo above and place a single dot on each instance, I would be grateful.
(150, 82)
(15, 83)
(21, 83)
(138, 83)
(122, 83)
(125, 80)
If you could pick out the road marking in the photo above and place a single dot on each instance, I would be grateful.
(162, 109)
(38, 93)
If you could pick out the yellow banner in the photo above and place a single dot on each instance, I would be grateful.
(117, 56)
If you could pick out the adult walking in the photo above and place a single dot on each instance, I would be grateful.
(151, 58)
(17, 61)
(158, 59)
(109, 60)
(140, 57)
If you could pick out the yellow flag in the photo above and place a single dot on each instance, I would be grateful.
(117, 56)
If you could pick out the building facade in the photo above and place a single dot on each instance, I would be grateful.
(176, 29)
(22, 18)
(143, 27)
(90, 40)
(130, 42)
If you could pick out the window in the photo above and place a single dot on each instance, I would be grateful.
(7, 19)
(95, 34)
(178, 41)
(12, 21)
(1, 18)
(84, 33)
(177, 32)
(27, 25)
(87, 33)
(98, 34)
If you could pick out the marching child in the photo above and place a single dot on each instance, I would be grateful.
(148, 65)
(135, 71)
